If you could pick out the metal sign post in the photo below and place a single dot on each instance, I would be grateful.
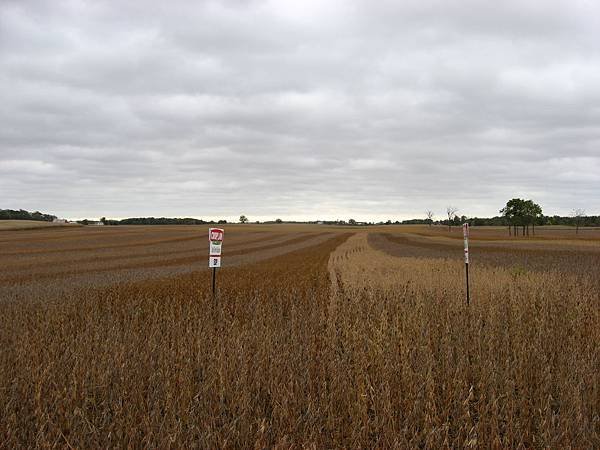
(466, 241)
(215, 242)
(214, 281)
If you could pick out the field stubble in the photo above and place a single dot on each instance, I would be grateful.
(333, 344)
(54, 264)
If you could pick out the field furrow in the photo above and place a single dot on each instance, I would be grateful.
(551, 257)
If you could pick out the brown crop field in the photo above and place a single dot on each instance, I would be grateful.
(12, 225)
(319, 337)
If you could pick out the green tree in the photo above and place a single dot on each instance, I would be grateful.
(519, 212)
(513, 212)
(278, 221)
(351, 222)
(243, 219)
(532, 212)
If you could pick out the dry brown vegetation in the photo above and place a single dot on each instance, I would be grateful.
(487, 233)
(11, 225)
(322, 337)
(518, 368)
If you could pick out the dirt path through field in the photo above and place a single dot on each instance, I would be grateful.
(356, 266)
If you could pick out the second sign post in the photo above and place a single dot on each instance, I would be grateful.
(466, 242)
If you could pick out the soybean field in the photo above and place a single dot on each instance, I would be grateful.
(318, 336)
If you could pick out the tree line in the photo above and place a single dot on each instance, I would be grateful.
(21, 214)
(158, 221)
(518, 215)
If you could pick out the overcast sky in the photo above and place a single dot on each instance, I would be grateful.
(300, 109)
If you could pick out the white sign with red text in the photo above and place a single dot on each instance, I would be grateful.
(215, 242)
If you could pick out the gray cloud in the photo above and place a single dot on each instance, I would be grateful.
(298, 109)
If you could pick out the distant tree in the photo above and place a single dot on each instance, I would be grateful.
(512, 212)
(222, 221)
(278, 221)
(243, 219)
(159, 221)
(519, 212)
(451, 212)
(532, 212)
(351, 222)
(578, 215)
(103, 220)
(429, 217)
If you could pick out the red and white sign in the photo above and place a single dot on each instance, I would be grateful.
(215, 234)
(466, 241)
(215, 242)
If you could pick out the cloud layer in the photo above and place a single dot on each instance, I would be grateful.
(371, 110)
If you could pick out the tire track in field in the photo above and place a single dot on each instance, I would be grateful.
(61, 288)
(123, 256)
(73, 286)
(107, 247)
(128, 259)
(160, 263)
(355, 244)
(65, 234)
(102, 247)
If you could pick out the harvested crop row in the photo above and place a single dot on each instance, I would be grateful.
(112, 240)
(66, 233)
(389, 356)
(153, 249)
(579, 262)
(160, 364)
(93, 268)
(490, 234)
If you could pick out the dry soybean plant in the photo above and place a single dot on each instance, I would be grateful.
(334, 345)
